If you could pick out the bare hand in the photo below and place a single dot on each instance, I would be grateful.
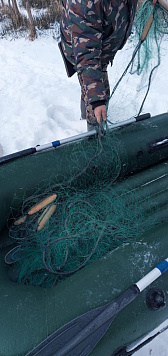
(100, 112)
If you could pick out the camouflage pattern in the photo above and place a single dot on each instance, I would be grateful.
(92, 31)
(89, 112)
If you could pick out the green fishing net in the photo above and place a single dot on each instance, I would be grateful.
(149, 51)
(92, 215)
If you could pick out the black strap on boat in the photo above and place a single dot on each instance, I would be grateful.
(19, 154)
(122, 351)
(161, 142)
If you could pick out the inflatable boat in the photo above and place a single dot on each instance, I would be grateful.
(31, 315)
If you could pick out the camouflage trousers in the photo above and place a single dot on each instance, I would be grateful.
(86, 109)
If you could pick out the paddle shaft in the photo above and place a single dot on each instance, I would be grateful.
(99, 320)
(114, 307)
(152, 275)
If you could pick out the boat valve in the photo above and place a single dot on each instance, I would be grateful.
(155, 299)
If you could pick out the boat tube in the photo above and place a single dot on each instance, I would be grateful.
(29, 314)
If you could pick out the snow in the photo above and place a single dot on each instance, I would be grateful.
(39, 104)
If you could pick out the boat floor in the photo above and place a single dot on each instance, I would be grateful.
(30, 314)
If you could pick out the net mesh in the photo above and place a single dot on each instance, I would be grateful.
(70, 224)
(149, 50)
(146, 56)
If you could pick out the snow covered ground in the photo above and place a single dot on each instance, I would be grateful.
(39, 104)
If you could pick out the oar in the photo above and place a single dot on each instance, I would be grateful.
(54, 144)
(81, 335)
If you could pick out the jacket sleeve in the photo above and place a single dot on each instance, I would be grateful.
(87, 32)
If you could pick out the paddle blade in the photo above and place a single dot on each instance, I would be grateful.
(53, 344)
(87, 345)
(81, 335)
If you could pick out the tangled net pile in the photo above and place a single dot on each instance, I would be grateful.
(71, 224)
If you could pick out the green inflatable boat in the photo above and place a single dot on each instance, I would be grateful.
(83, 242)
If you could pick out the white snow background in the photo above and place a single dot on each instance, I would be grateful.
(39, 104)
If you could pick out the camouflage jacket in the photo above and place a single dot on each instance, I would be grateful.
(92, 31)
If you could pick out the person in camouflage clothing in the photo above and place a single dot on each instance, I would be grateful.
(92, 31)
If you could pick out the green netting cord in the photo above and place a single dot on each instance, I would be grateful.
(88, 221)
(150, 47)
(146, 56)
